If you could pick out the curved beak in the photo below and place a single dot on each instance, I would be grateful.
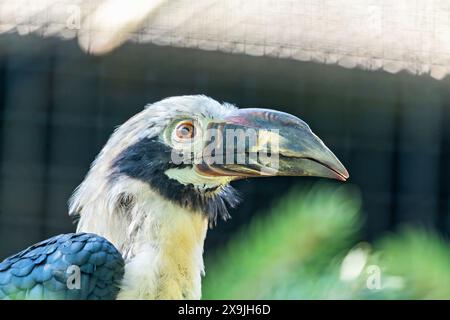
(261, 142)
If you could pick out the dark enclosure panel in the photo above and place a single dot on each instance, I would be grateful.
(58, 106)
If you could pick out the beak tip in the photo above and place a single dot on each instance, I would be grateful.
(343, 175)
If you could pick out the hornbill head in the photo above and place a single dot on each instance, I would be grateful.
(189, 148)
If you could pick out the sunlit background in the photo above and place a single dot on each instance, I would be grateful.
(381, 235)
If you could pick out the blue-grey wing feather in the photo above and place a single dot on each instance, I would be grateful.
(48, 269)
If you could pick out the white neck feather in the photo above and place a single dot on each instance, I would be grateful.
(162, 243)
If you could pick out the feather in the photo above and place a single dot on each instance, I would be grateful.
(41, 271)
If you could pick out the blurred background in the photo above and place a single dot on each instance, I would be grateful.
(58, 106)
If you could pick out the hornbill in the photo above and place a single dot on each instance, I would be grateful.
(144, 207)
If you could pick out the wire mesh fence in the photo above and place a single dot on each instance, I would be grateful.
(58, 106)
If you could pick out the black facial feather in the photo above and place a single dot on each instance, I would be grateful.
(148, 159)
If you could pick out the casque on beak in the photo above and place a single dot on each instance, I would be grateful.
(262, 142)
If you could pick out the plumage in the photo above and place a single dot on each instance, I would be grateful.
(40, 271)
(142, 214)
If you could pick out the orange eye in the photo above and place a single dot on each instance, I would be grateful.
(185, 130)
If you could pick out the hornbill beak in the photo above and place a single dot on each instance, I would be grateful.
(263, 142)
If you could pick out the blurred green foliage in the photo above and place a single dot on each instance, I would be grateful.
(306, 248)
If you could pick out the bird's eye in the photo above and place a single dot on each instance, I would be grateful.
(185, 130)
